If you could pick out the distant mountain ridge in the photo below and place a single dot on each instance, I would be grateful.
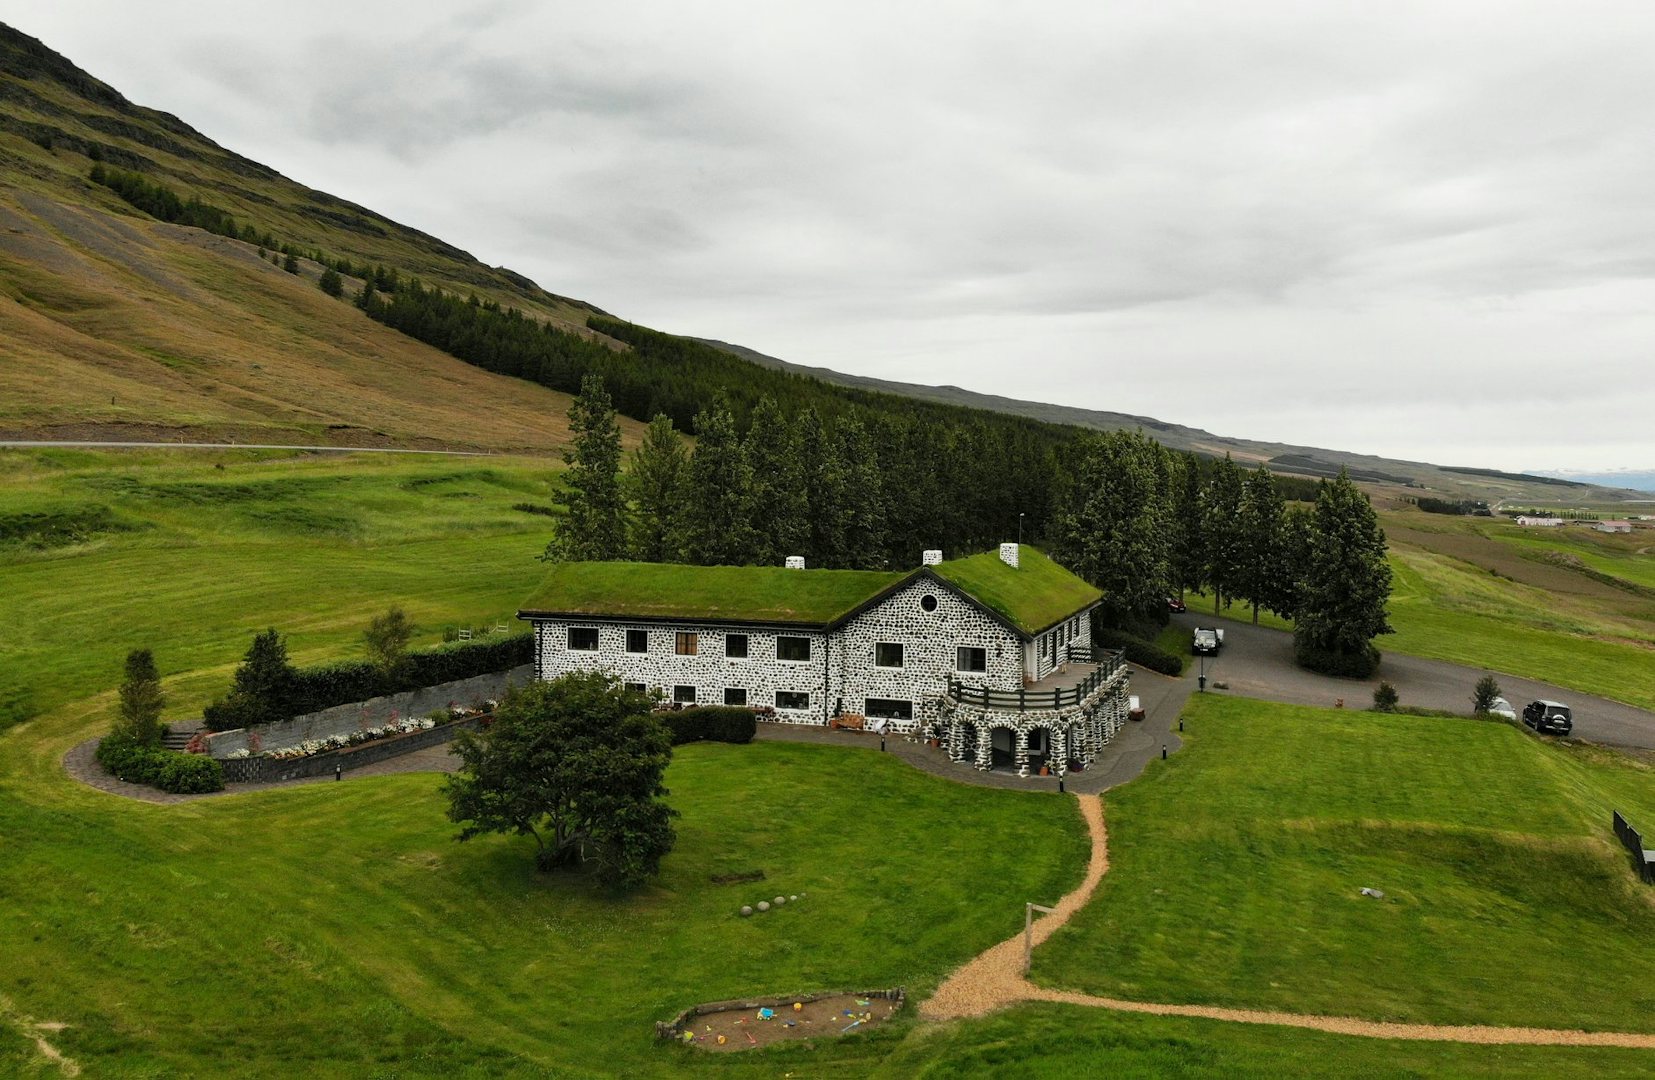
(1635, 479)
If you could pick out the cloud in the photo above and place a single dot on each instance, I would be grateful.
(1408, 228)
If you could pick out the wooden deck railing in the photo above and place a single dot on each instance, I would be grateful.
(1108, 663)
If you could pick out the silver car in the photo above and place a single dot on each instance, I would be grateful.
(1503, 709)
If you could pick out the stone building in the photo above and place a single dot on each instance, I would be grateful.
(990, 654)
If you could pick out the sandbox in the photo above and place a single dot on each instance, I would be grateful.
(754, 1022)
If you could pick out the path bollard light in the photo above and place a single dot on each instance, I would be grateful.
(882, 744)
(1163, 751)
(1180, 723)
(338, 770)
(1060, 785)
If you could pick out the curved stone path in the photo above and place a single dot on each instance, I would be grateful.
(995, 980)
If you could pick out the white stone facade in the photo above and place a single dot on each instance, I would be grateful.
(851, 668)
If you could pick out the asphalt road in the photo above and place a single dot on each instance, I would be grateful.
(1258, 662)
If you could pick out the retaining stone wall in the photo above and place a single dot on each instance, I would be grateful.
(255, 770)
(344, 719)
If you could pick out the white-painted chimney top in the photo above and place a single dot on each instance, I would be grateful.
(930, 557)
(1008, 555)
(795, 562)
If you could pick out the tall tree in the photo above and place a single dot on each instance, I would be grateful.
(824, 485)
(655, 483)
(1188, 544)
(1221, 531)
(595, 526)
(717, 517)
(1263, 566)
(138, 716)
(1346, 585)
(262, 691)
(577, 763)
(779, 523)
(1110, 526)
(1295, 556)
(386, 641)
(864, 521)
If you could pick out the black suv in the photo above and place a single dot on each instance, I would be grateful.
(1548, 717)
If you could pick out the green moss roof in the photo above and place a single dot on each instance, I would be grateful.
(676, 591)
(1032, 597)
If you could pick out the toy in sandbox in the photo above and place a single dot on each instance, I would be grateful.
(743, 1025)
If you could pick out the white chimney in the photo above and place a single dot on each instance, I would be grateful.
(930, 557)
(1008, 555)
(795, 562)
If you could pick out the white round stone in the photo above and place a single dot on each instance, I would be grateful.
(746, 910)
(764, 905)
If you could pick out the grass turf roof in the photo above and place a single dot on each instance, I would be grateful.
(1032, 597)
(678, 591)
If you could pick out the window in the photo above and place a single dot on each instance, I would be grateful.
(637, 641)
(887, 654)
(793, 648)
(735, 695)
(881, 708)
(685, 644)
(735, 646)
(684, 695)
(971, 659)
(928, 602)
(635, 688)
(583, 638)
(792, 699)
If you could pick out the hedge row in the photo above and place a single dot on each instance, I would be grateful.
(181, 774)
(1328, 662)
(1139, 651)
(315, 688)
(711, 723)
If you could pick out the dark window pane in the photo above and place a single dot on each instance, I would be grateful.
(735, 695)
(887, 654)
(584, 638)
(735, 646)
(637, 641)
(792, 699)
(684, 695)
(792, 648)
(889, 710)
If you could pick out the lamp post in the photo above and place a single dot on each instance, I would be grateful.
(1019, 529)
(1203, 676)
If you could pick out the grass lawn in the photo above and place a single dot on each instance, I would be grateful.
(1235, 870)
(1034, 596)
(1063, 1042)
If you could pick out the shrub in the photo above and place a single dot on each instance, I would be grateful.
(1330, 662)
(1385, 698)
(1484, 693)
(711, 723)
(181, 774)
(1138, 651)
(190, 774)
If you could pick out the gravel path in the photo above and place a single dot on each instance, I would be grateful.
(995, 980)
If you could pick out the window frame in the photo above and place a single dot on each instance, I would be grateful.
(569, 639)
(902, 655)
(635, 687)
(629, 637)
(746, 646)
(961, 649)
(683, 637)
(793, 708)
(739, 690)
(868, 708)
(678, 699)
(805, 659)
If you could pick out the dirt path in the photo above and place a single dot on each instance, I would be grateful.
(995, 980)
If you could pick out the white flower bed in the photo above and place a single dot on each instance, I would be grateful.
(339, 742)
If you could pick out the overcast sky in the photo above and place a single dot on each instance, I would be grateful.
(1420, 230)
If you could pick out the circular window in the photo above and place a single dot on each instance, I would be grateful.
(928, 602)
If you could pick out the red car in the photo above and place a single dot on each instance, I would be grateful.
(1174, 604)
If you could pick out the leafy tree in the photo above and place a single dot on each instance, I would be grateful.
(824, 486)
(1295, 556)
(1346, 584)
(331, 283)
(577, 763)
(1221, 531)
(864, 497)
(1188, 554)
(1263, 565)
(1483, 694)
(386, 640)
(1110, 526)
(655, 482)
(779, 524)
(1385, 698)
(595, 526)
(717, 510)
(138, 716)
(291, 263)
(263, 688)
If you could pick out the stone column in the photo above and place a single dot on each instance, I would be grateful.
(956, 740)
(1059, 750)
(985, 746)
(1022, 751)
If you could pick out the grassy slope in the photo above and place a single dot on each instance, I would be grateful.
(1235, 868)
(1035, 595)
(761, 593)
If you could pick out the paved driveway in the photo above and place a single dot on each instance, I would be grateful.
(1258, 662)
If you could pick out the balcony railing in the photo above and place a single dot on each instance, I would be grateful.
(1065, 697)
